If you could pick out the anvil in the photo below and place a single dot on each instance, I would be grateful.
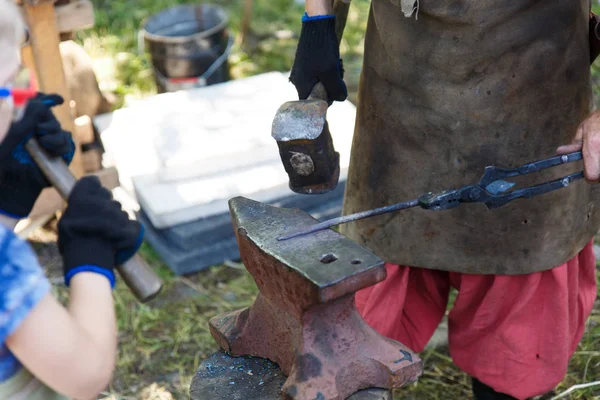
(304, 318)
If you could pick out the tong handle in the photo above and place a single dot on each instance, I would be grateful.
(492, 174)
(495, 201)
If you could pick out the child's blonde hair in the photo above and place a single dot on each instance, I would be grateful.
(12, 26)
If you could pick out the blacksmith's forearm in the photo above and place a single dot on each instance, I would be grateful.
(319, 7)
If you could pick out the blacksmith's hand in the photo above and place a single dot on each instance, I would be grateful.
(318, 59)
(95, 234)
(587, 140)
(21, 181)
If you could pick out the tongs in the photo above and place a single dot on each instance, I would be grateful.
(492, 190)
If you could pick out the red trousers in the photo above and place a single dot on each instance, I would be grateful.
(516, 334)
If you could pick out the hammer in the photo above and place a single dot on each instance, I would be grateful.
(142, 281)
(302, 133)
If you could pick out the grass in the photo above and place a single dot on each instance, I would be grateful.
(165, 341)
(162, 343)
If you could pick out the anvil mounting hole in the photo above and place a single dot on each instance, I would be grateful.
(328, 258)
(356, 261)
(242, 232)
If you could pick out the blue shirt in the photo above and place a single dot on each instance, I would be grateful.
(22, 285)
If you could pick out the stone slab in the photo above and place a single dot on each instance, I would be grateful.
(250, 378)
(184, 154)
(208, 253)
(196, 245)
(211, 229)
(183, 262)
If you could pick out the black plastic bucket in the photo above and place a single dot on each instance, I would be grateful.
(188, 45)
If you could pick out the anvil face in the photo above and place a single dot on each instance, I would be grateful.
(331, 264)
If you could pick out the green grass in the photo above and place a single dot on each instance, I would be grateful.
(164, 341)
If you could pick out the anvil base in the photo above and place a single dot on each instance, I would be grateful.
(221, 376)
(328, 355)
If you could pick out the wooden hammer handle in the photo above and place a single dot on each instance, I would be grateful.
(340, 10)
(142, 281)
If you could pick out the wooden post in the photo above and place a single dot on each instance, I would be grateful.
(246, 20)
(45, 40)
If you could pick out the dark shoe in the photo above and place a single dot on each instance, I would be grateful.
(483, 392)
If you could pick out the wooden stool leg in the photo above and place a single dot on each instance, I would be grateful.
(48, 66)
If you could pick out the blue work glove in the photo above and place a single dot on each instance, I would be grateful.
(94, 233)
(318, 59)
(21, 181)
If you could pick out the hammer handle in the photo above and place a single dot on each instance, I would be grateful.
(340, 10)
(142, 281)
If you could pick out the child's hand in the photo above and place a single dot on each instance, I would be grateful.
(94, 233)
(21, 181)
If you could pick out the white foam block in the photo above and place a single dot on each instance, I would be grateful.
(185, 154)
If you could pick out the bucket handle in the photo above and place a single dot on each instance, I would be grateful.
(141, 46)
(218, 62)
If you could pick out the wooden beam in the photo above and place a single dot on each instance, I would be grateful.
(28, 226)
(109, 177)
(28, 61)
(49, 202)
(246, 20)
(75, 16)
(84, 130)
(92, 160)
(41, 20)
(34, 2)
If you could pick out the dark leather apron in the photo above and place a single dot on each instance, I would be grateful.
(464, 85)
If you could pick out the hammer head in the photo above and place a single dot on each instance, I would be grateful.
(306, 147)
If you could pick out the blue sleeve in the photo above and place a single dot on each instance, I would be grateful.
(22, 282)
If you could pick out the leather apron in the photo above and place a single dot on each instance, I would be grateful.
(464, 85)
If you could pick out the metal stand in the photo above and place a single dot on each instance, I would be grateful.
(250, 378)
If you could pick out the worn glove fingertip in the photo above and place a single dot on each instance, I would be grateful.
(305, 88)
(68, 156)
(343, 92)
(124, 255)
(336, 88)
(52, 99)
(85, 190)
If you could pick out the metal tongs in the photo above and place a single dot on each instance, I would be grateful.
(491, 190)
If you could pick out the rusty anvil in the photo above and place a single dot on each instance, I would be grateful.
(304, 317)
